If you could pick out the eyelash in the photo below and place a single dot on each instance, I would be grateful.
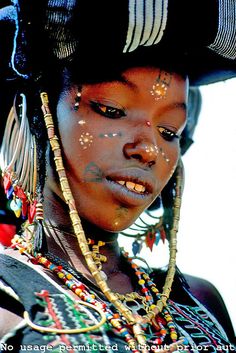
(107, 111)
(167, 134)
(116, 113)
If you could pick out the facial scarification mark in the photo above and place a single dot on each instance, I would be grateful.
(92, 173)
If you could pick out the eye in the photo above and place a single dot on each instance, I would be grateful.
(167, 134)
(107, 111)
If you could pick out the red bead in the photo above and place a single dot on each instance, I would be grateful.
(74, 287)
(158, 341)
(34, 261)
(32, 211)
(24, 207)
(81, 286)
(18, 191)
(6, 182)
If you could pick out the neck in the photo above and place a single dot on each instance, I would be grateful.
(65, 245)
(62, 243)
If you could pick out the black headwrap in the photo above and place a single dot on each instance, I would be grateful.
(97, 39)
(198, 36)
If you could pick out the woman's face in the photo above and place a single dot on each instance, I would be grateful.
(121, 145)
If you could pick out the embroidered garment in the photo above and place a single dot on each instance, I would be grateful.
(50, 305)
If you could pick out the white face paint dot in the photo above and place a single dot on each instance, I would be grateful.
(81, 122)
(86, 140)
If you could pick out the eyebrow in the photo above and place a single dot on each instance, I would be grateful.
(181, 105)
(175, 105)
(126, 82)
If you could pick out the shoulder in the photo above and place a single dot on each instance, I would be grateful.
(11, 310)
(210, 297)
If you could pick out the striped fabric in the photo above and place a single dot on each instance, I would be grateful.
(225, 41)
(147, 22)
(58, 15)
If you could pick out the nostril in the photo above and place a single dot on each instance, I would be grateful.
(137, 156)
(142, 151)
(151, 163)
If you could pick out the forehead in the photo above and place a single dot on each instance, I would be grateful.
(142, 85)
(144, 76)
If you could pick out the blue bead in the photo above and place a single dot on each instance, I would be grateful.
(158, 237)
(136, 247)
(10, 192)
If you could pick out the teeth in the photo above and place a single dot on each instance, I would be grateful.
(132, 186)
(139, 188)
(121, 182)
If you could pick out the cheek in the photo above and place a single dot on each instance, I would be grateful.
(167, 160)
(75, 135)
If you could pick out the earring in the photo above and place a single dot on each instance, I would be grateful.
(148, 229)
(18, 161)
(161, 219)
(77, 99)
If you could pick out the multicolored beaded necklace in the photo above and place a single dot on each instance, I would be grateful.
(136, 329)
(157, 331)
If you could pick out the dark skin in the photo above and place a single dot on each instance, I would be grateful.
(132, 154)
(119, 135)
(128, 141)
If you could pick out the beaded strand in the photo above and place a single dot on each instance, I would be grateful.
(78, 288)
(147, 286)
(75, 219)
(135, 322)
(84, 294)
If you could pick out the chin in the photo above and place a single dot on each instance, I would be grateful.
(111, 222)
(118, 225)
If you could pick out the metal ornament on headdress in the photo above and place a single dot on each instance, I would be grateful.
(159, 89)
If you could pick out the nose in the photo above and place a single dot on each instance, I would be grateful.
(144, 151)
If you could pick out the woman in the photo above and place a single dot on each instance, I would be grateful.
(114, 133)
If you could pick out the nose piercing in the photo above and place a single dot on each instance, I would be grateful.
(148, 123)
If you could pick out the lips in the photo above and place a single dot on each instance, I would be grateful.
(132, 186)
